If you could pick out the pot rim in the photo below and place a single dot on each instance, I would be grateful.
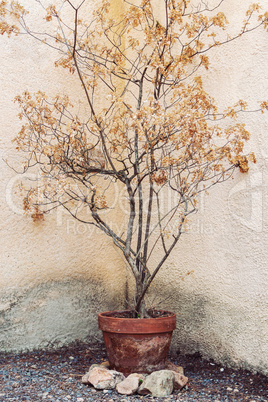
(108, 323)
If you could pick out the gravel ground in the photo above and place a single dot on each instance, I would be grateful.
(55, 376)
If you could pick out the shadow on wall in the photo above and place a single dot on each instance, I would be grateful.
(225, 331)
(52, 314)
(57, 313)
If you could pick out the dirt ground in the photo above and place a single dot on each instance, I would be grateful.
(55, 375)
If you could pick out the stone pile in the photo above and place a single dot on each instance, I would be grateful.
(158, 384)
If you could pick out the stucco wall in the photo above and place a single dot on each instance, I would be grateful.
(236, 250)
(223, 305)
(57, 274)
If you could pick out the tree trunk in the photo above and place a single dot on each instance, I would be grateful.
(140, 309)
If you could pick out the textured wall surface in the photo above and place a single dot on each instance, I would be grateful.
(57, 274)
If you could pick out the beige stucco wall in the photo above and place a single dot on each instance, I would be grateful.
(57, 274)
(54, 275)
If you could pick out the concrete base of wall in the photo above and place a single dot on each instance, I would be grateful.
(52, 314)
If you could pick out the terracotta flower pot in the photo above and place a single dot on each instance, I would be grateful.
(137, 345)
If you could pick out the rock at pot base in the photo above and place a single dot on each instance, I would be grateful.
(173, 367)
(130, 385)
(179, 381)
(102, 378)
(158, 384)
